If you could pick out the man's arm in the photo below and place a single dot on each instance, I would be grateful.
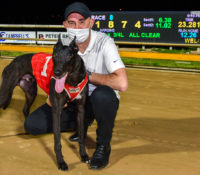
(116, 80)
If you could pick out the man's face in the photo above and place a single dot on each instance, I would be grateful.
(77, 21)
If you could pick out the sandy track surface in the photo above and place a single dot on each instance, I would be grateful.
(157, 131)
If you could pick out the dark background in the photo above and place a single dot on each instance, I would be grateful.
(51, 12)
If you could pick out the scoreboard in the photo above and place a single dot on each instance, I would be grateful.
(169, 27)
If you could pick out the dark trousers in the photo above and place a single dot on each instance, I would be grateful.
(102, 105)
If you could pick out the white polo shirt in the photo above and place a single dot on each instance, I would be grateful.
(101, 56)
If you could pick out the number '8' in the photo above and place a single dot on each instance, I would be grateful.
(111, 17)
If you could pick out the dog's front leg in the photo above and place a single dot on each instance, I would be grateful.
(57, 101)
(56, 113)
(81, 131)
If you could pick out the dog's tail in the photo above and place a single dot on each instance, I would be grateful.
(7, 86)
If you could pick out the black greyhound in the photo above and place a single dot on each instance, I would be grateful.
(68, 69)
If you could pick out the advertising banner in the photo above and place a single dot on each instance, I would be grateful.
(51, 36)
(19, 35)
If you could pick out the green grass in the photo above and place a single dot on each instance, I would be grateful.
(161, 63)
(178, 51)
(181, 50)
(137, 61)
(11, 54)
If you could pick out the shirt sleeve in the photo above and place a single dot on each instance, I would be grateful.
(111, 56)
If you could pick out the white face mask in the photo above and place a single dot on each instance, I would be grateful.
(81, 34)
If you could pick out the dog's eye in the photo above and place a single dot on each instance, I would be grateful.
(69, 57)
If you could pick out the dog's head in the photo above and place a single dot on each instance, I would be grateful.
(63, 57)
(64, 60)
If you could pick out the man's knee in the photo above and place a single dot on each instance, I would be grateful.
(29, 128)
(103, 94)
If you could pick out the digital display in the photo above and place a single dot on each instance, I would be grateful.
(173, 27)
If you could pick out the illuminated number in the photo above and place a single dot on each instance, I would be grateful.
(188, 35)
(183, 24)
(44, 71)
(157, 24)
(168, 20)
(165, 19)
(190, 24)
(124, 24)
(98, 24)
(165, 25)
(169, 25)
(185, 35)
(110, 24)
(138, 25)
(111, 17)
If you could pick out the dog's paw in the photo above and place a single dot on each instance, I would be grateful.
(62, 166)
(85, 159)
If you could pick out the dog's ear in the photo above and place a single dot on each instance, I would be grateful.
(59, 42)
(73, 45)
(59, 38)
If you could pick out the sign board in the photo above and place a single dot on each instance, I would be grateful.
(177, 27)
(49, 35)
(18, 35)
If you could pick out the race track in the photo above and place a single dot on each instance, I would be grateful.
(157, 131)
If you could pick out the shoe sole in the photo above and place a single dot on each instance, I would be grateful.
(98, 168)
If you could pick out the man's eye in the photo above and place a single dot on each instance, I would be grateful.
(71, 23)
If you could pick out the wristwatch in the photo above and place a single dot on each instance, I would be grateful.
(89, 74)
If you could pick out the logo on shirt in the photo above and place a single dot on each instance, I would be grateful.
(115, 61)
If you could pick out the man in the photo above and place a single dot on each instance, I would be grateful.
(107, 76)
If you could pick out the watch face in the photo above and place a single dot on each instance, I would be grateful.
(89, 73)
